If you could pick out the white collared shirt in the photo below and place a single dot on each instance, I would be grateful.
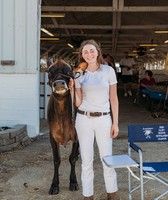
(95, 89)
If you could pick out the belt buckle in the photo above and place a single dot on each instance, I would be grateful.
(88, 115)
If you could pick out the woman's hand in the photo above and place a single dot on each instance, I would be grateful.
(114, 131)
(71, 84)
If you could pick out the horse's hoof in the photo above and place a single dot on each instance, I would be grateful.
(53, 190)
(73, 186)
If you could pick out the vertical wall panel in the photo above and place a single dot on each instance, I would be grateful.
(19, 84)
(19, 35)
(1, 25)
(8, 21)
(31, 26)
(20, 32)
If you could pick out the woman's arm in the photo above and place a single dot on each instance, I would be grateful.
(78, 92)
(115, 110)
(78, 97)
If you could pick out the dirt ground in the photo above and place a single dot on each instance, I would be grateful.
(26, 172)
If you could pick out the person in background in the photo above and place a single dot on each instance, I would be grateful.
(96, 92)
(127, 64)
(145, 83)
(107, 59)
(113, 64)
(148, 80)
(110, 61)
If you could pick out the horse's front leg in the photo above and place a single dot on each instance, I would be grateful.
(72, 159)
(54, 189)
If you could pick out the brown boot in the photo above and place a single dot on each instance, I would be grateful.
(88, 198)
(113, 196)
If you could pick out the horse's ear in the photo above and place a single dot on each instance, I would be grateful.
(50, 61)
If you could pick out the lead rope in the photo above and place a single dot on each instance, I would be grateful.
(72, 92)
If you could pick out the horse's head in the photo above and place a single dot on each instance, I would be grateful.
(59, 74)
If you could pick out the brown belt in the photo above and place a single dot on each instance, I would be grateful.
(92, 114)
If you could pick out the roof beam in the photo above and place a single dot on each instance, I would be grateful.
(105, 27)
(103, 35)
(77, 8)
(145, 9)
(104, 9)
(53, 19)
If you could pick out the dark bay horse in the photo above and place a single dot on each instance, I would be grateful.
(61, 117)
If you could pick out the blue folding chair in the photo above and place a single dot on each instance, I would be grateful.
(156, 96)
(144, 133)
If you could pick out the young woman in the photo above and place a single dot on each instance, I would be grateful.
(96, 93)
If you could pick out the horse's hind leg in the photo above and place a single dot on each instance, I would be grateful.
(72, 159)
(54, 189)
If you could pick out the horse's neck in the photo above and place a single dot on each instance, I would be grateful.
(63, 105)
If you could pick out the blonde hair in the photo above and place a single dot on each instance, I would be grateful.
(100, 59)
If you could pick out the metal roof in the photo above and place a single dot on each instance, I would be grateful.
(118, 25)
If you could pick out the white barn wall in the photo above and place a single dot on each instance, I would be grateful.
(18, 101)
(19, 84)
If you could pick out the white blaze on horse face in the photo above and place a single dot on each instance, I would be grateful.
(59, 87)
(61, 92)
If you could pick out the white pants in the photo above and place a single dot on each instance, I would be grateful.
(88, 129)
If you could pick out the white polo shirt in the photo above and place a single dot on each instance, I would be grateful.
(128, 62)
(95, 89)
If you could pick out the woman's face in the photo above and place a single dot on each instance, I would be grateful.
(90, 53)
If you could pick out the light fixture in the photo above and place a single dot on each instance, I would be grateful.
(50, 39)
(53, 15)
(75, 52)
(132, 54)
(152, 49)
(47, 32)
(162, 31)
(148, 45)
(70, 45)
(166, 41)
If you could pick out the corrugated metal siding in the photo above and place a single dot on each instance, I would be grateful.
(7, 38)
(19, 35)
(19, 84)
